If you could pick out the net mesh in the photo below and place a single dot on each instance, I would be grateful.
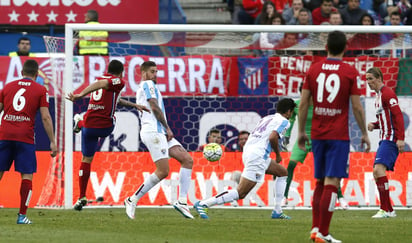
(210, 80)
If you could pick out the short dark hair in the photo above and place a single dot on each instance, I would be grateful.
(93, 15)
(213, 130)
(30, 68)
(23, 39)
(244, 132)
(115, 67)
(336, 42)
(395, 13)
(146, 65)
(284, 105)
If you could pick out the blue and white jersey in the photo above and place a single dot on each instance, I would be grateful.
(146, 91)
(258, 144)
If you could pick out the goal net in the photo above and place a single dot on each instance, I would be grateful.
(225, 77)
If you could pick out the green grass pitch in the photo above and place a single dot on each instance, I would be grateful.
(225, 225)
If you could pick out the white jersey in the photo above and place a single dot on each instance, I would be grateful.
(146, 91)
(258, 144)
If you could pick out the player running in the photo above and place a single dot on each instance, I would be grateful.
(256, 159)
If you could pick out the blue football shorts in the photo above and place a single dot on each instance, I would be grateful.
(387, 154)
(331, 158)
(90, 139)
(23, 155)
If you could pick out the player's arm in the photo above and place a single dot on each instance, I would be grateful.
(48, 127)
(274, 143)
(359, 114)
(157, 112)
(1, 107)
(302, 115)
(100, 84)
(126, 103)
(398, 123)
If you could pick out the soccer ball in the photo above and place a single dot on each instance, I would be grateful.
(212, 152)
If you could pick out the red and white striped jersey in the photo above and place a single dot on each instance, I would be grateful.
(390, 119)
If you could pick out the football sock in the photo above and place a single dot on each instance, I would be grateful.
(291, 169)
(327, 206)
(317, 194)
(224, 197)
(25, 195)
(383, 188)
(84, 174)
(185, 176)
(148, 183)
(280, 185)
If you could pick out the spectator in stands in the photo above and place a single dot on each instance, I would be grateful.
(322, 14)
(93, 42)
(251, 9)
(395, 38)
(335, 18)
(23, 48)
(268, 10)
(304, 17)
(241, 140)
(214, 136)
(268, 41)
(352, 13)
(290, 15)
(361, 42)
(288, 40)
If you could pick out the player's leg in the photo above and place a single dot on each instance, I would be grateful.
(253, 173)
(319, 163)
(280, 185)
(296, 156)
(90, 139)
(177, 152)
(25, 163)
(244, 187)
(336, 154)
(157, 145)
(185, 174)
(385, 160)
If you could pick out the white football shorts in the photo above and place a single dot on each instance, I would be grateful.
(158, 145)
(255, 167)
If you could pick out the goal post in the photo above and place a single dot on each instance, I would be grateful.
(227, 40)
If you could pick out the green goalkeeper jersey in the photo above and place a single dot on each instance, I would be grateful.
(292, 120)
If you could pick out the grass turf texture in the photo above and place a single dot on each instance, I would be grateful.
(225, 225)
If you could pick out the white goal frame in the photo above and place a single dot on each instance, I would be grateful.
(69, 47)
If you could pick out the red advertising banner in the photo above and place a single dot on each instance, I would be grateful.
(116, 175)
(177, 76)
(60, 12)
(197, 75)
(286, 73)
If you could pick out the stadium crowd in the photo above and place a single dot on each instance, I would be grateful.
(321, 12)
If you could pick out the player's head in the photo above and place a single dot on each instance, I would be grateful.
(116, 68)
(374, 77)
(148, 70)
(30, 69)
(285, 107)
(91, 16)
(24, 45)
(336, 43)
(214, 136)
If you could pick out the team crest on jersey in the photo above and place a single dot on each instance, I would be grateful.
(163, 151)
(116, 81)
(393, 102)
